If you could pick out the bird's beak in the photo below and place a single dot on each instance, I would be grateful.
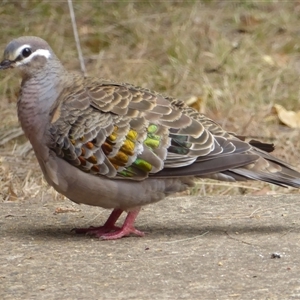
(6, 64)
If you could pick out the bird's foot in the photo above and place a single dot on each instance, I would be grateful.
(124, 231)
(109, 231)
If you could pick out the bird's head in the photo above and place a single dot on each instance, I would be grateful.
(29, 54)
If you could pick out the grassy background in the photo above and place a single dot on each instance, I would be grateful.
(237, 58)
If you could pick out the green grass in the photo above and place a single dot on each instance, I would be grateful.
(171, 47)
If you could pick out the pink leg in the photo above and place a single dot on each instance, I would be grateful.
(107, 227)
(111, 232)
(126, 229)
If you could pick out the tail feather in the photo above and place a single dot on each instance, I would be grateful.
(267, 168)
(279, 178)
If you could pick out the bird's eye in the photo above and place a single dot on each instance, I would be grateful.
(26, 52)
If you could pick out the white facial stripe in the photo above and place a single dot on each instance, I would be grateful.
(20, 49)
(39, 52)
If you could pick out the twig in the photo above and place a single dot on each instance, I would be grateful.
(238, 240)
(72, 14)
(10, 135)
(234, 47)
(187, 239)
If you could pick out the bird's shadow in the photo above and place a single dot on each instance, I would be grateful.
(152, 232)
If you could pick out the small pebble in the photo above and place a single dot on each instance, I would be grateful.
(275, 255)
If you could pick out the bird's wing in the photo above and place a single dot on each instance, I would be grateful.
(121, 131)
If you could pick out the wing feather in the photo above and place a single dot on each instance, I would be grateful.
(125, 132)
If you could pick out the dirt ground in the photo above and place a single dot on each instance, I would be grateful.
(195, 248)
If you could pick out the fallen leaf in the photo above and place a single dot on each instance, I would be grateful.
(263, 191)
(197, 103)
(288, 117)
(63, 210)
(269, 60)
(12, 194)
(280, 60)
(249, 20)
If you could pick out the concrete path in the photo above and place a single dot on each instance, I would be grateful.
(195, 248)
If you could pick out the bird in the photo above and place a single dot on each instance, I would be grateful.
(119, 146)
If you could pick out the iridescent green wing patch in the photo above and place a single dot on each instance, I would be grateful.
(145, 161)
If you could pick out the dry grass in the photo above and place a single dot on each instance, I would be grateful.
(239, 58)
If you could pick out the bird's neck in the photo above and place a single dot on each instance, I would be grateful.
(37, 95)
